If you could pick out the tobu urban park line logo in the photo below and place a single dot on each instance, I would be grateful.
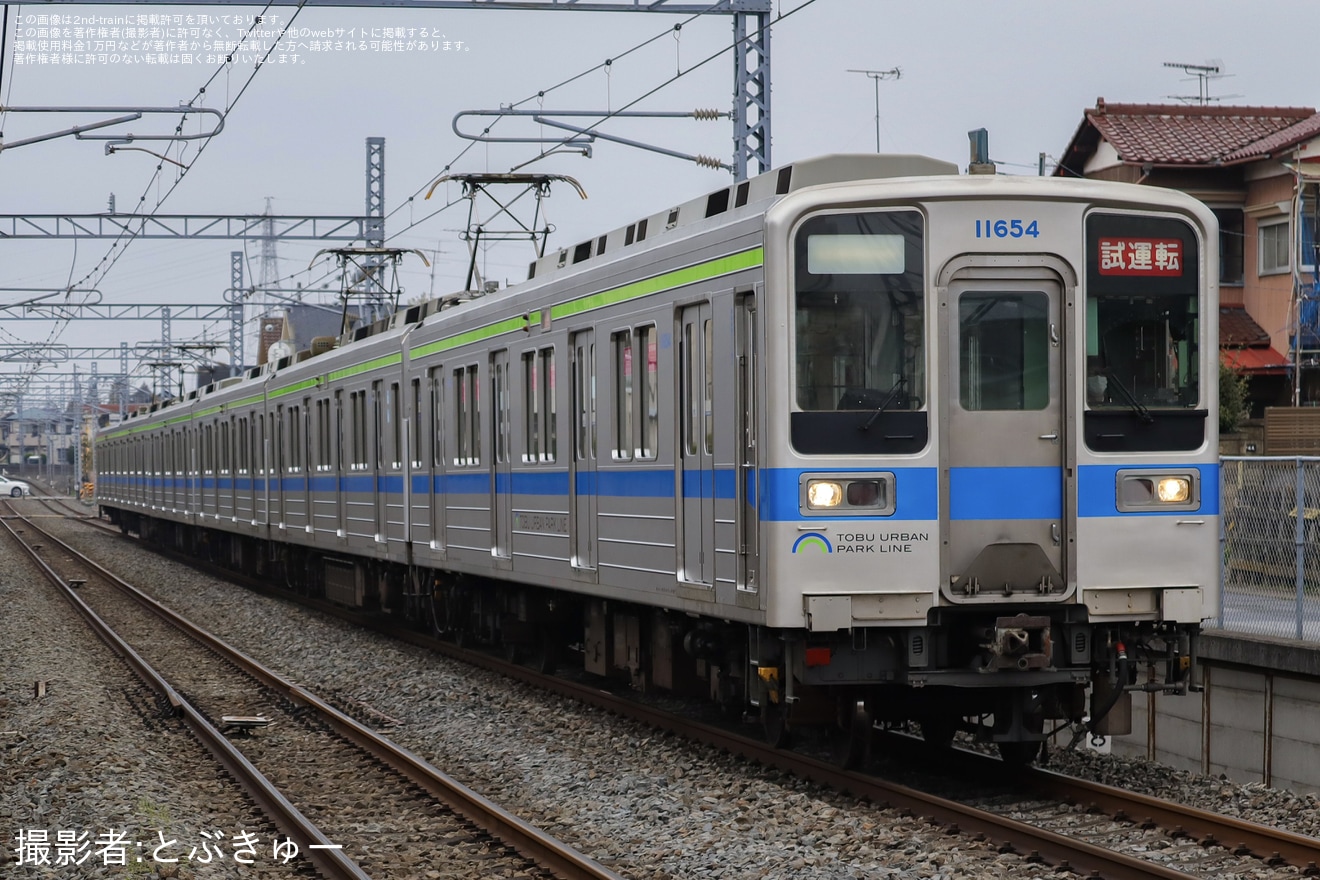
(813, 540)
(859, 542)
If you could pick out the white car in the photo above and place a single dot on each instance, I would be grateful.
(14, 488)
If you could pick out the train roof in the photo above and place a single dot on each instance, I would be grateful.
(749, 196)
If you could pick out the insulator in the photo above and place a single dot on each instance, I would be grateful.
(708, 162)
(703, 113)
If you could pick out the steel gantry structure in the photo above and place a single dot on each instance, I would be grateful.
(751, 37)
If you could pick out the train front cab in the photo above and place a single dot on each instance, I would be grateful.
(998, 485)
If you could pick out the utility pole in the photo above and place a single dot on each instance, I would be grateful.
(877, 75)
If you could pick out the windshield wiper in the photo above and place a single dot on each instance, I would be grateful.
(884, 404)
(1130, 399)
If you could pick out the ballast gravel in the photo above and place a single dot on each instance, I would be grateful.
(647, 805)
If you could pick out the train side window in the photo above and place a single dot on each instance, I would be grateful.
(379, 414)
(321, 431)
(225, 463)
(244, 451)
(501, 406)
(648, 389)
(622, 343)
(295, 439)
(357, 427)
(531, 408)
(394, 428)
(277, 433)
(437, 380)
(467, 416)
(687, 364)
(259, 441)
(550, 434)
(585, 367)
(708, 391)
(339, 431)
(418, 435)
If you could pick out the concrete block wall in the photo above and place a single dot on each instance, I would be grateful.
(1257, 720)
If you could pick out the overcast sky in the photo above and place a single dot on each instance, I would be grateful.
(1024, 70)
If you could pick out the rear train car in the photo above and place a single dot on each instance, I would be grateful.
(857, 441)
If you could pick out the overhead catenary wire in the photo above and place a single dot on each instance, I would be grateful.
(120, 245)
(605, 116)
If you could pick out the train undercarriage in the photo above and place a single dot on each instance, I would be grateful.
(1010, 679)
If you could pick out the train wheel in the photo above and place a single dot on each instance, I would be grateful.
(435, 615)
(1020, 753)
(938, 731)
(774, 721)
(851, 742)
(545, 659)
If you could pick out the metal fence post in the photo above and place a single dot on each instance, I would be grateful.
(1223, 544)
(1299, 538)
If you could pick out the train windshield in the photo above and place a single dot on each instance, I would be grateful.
(858, 306)
(1142, 315)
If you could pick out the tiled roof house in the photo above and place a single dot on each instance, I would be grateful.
(1258, 168)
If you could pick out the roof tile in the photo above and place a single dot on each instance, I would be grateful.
(1164, 134)
(1238, 330)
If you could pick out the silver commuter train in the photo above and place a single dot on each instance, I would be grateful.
(857, 441)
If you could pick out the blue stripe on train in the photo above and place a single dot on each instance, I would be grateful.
(981, 493)
(1097, 489)
(1005, 493)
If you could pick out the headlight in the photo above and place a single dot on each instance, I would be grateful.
(1174, 490)
(824, 493)
(837, 494)
(1144, 490)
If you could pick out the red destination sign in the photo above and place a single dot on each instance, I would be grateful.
(1141, 256)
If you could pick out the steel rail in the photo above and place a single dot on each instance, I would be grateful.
(1271, 845)
(1033, 843)
(330, 861)
(1037, 844)
(533, 843)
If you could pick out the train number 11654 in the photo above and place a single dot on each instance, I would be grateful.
(1006, 229)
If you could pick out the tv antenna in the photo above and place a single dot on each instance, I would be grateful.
(878, 75)
(1204, 73)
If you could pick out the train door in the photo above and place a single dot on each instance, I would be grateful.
(745, 491)
(582, 470)
(1003, 445)
(501, 477)
(696, 445)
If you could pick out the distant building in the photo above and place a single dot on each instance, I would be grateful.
(1258, 169)
(298, 326)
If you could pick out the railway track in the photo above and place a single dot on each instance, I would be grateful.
(358, 805)
(1070, 824)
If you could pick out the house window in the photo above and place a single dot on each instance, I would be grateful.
(1274, 247)
(1230, 244)
(1306, 255)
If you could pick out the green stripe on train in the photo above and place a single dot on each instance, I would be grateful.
(748, 259)
(388, 360)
